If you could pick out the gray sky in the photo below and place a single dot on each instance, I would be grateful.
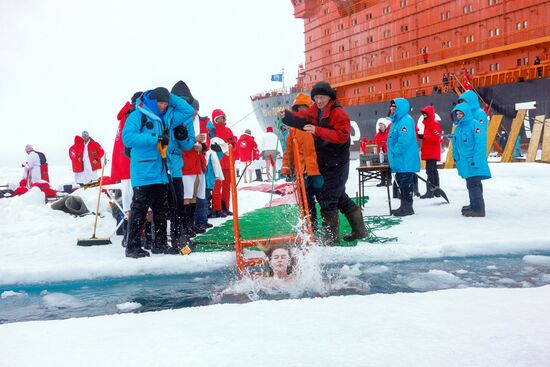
(68, 66)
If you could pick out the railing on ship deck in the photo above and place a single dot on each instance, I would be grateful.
(503, 77)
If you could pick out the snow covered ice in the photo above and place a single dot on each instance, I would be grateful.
(395, 329)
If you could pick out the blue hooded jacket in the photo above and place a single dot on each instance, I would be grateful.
(470, 145)
(470, 97)
(402, 145)
(181, 113)
(146, 167)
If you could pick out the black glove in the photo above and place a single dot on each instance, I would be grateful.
(215, 147)
(180, 132)
(164, 139)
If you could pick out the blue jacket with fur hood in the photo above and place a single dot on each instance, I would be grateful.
(146, 167)
(402, 145)
(469, 145)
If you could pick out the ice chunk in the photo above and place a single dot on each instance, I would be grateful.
(128, 306)
(377, 269)
(537, 260)
(461, 271)
(433, 280)
(7, 294)
(61, 300)
(491, 267)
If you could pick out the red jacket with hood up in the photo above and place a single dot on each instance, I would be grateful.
(120, 165)
(431, 143)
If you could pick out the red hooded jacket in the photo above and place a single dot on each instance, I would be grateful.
(76, 153)
(381, 139)
(194, 163)
(120, 165)
(246, 146)
(225, 133)
(431, 143)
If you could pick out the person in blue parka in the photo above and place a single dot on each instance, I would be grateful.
(178, 219)
(470, 156)
(158, 116)
(470, 97)
(403, 153)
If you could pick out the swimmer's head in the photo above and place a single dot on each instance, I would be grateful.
(280, 261)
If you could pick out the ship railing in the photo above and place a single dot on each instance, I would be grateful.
(276, 92)
(514, 75)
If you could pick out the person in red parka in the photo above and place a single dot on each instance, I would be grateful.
(381, 139)
(431, 148)
(221, 193)
(120, 162)
(246, 147)
(85, 156)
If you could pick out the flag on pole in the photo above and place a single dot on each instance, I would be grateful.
(276, 77)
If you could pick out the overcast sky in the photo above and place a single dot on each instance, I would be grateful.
(68, 66)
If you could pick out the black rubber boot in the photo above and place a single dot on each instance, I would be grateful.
(148, 235)
(258, 175)
(137, 253)
(471, 213)
(465, 207)
(124, 227)
(415, 185)
(358, 229)
(396, 191)
(189, 221)
(225, 209)
(406, 203)
(331, 227)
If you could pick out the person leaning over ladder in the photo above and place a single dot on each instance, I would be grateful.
(330, 126)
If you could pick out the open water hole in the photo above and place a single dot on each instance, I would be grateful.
(49, 301)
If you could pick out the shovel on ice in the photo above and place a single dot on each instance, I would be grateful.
(436, 190)
(95, 241)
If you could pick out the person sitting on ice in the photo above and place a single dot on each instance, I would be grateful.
(85, 156)
(470, 156)
(31, 169)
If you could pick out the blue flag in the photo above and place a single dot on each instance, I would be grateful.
(277, 77)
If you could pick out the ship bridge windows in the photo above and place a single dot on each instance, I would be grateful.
(368, 16)
(445, 15)
(406, 83)
(388, 59)
(372, 89)
(404, 28)
(354, 22)
(370, 39)
(386, 10)
(425, 80)
(388, 86)
(403, 3)
(469, 39)
(342, 48)
(387, 33)
(341, 27)
(405, 54)
(467, 9)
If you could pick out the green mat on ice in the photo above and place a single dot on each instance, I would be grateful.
(281, 220)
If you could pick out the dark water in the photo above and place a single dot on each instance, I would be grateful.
(152, 293)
